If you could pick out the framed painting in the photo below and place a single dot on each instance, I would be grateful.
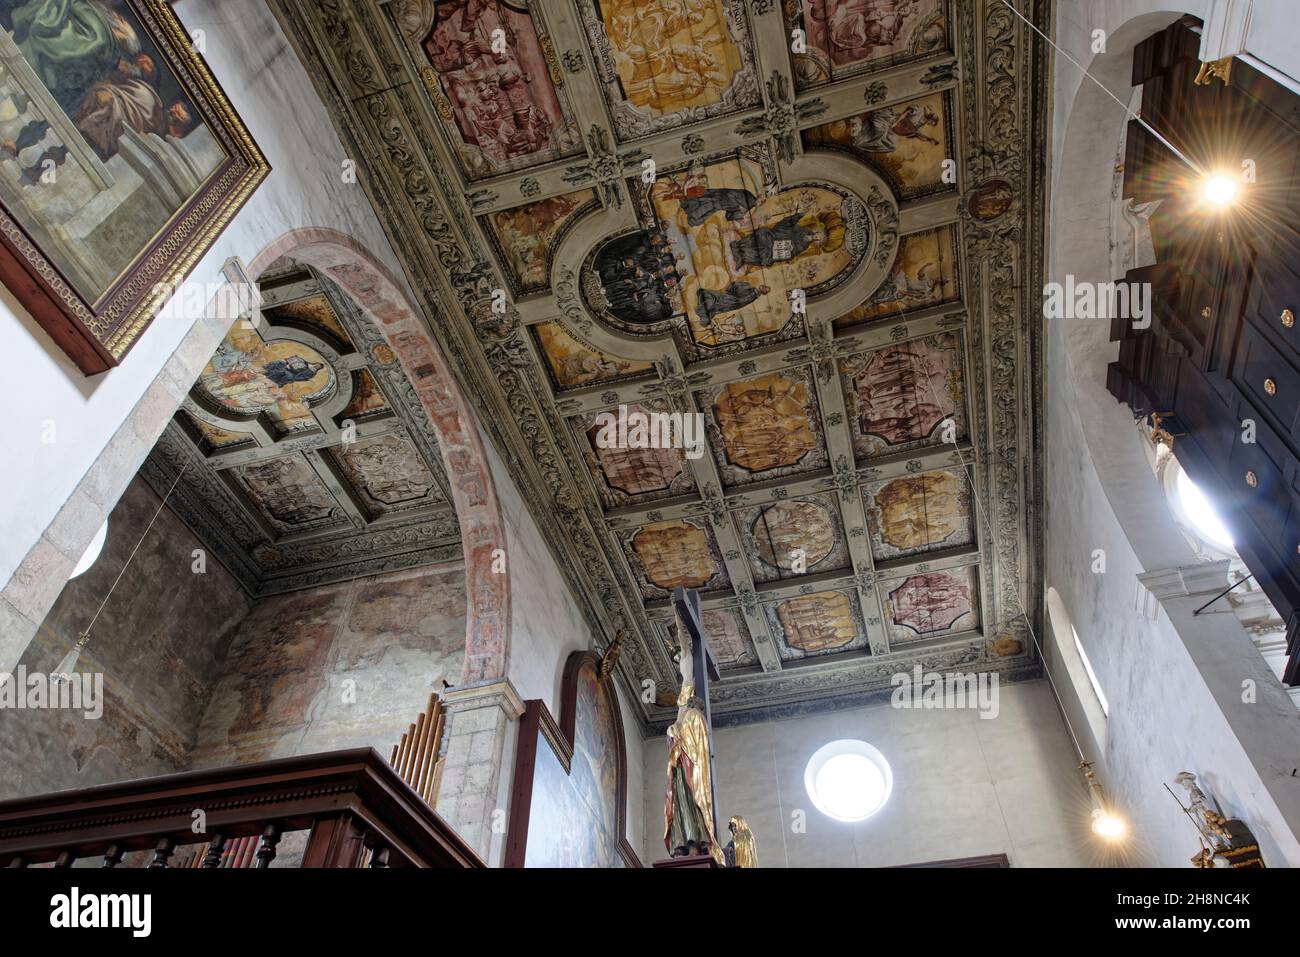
(568, 806)
(121, 161)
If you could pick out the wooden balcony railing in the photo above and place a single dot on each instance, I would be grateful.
(353, 808)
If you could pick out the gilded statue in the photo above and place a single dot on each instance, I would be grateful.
(741, 852)
(688, 803)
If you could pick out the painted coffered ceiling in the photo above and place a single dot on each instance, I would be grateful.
(302, 454)
(656, 186)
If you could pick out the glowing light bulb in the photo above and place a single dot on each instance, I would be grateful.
(1220, 190)
(1108, 825)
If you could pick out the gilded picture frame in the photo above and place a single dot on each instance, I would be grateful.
(121, 162)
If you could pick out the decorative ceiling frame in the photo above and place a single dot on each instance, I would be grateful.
(355, 541)
(384, 104)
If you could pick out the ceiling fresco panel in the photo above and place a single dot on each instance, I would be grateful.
(793, 537)
(925, 274)
(625, 476)
(211, 438)
(665, 555)
(524, 237)
(484, 63)
(898, 398)
(314, 314)
(931, 605)
(918, 514)
(671, 63)
(278, 381)
(764, 427)
(846, 37)
(906, 143)
(729, 639)
(387, 474)
(368, 401)
(721, 250)
(823, 623)
(289, 494)
(573, 364)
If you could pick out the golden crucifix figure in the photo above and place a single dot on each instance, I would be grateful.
(688, 803)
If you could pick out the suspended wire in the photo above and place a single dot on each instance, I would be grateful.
(131, 557)
(979, 508)
(1128, 111)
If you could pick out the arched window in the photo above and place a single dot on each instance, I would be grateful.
(1068, 650)
(91, 554)
(1194, 512)
(1092, 675)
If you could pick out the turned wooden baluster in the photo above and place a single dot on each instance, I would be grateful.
(113, 855)
(162, 851)
(215, 846)
(270, 838)
(65, 859)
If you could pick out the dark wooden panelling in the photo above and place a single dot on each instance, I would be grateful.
(1222, 348)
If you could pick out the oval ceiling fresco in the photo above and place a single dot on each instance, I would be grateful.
(279, 379)
(725, 252)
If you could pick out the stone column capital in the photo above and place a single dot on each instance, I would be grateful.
(500, 694)
(1161, 585)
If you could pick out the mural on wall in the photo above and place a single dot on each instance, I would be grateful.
(104, 140)
(846, 36)
(823, 623)
(931, 605)
(792, 538)
(279, 379)
(722, 247)
(526, 236)
(628, 474)
(765, 426)
(668, 554)
(573, 364)
(669, 63)
(401, 631)
(574, 779)
(899, 397)
(919, 513)
(906, 143)
(498, 101)
(923, 275)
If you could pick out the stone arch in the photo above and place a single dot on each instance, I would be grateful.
(1081, 349)
(382, 298)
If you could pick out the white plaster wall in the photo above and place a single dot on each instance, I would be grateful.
(545, 623)
(253, 62)
(1174, 690)
(546, 627)
(964, 786)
